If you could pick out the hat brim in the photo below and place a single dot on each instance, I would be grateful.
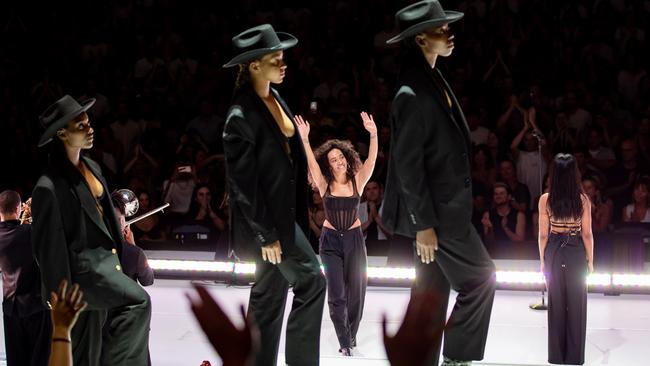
(60, 123)
(450, 17)
(288, 42)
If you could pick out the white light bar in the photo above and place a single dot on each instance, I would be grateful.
(391, 273)
(636, 280)
(189, 265)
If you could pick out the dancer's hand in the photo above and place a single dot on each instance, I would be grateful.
(272, 252)
(412, 345)
(65, 308)
(303, 128)
(426, 243)
(235, 346)
(369, 124)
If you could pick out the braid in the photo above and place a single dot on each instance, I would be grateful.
(243, 76)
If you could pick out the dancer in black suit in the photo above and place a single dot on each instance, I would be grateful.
(267, 178)
(428, 190)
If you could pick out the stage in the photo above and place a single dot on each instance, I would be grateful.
(618, 328)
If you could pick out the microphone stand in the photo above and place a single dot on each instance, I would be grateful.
(541, 305)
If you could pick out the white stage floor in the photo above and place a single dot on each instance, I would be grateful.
(618, 328)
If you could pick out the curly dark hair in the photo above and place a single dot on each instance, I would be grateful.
(350, 154)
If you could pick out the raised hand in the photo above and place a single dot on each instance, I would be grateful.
(412, 345)
(303, 127)
(234, 346)
(65, 307)
(369, 123)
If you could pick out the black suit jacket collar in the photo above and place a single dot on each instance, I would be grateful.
(273, 125)
(81, 190)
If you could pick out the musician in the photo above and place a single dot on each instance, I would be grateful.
(134, 260)
(26, 321)
(77, 237)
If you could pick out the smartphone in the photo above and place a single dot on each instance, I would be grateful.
(185, 169)
(313, 107)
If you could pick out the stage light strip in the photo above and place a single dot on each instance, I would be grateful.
(389, 273)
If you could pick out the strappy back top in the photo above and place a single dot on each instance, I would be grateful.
(342, 212)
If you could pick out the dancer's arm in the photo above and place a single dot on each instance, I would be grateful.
(241, 165)
(314, 168)
(587, 234)
(543, 228)
(368, 167)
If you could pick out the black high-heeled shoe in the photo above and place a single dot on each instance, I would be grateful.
(345, 351)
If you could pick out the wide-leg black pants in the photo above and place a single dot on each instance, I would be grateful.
(565, 267)
(27, 339)
(299, 268)
(343, 254)
(462, 264)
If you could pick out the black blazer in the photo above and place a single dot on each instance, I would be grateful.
(267, 184)
(21, 279)
(429, 173)
(134, 263)
(71, 239)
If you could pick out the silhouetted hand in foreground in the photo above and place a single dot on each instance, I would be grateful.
(413, 343)
(236, 347)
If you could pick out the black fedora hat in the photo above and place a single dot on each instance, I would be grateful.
(422, 15)
(258, 41)
(59, 114)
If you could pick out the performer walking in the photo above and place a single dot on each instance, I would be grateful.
(267, 178)
(76, 237)
(566, 250)
(336, 170)
(428, 190)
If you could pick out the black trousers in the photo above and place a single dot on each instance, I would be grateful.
(464, 265)
(119, 339)
(300, 269)
(343, 254)
(27, 339)
(565, 267)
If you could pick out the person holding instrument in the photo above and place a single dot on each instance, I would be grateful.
(266, 173)
(566, 250)
(335, 169)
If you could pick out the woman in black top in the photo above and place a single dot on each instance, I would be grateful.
(566, 252)
(336, 170)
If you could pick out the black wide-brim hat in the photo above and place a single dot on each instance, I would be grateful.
(256, 42)
(422, 15)
(59, 114)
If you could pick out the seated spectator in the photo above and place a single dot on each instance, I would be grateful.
(483, 169)
(601, 156)
(178, 192)
(373, 229)
(622, 176)
(150, 227)
(502, 224)
(639, 209)
(601, 207)
(520, 192)
(562, 139)
(208, 125)
(531, 165)
(587, 170)
(201, 212)
(478, 133)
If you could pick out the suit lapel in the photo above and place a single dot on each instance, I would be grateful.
(88, 202)
(277, 133)
(442, 83)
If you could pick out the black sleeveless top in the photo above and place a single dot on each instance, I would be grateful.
(342, 212)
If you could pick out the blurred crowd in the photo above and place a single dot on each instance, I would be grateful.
(534, 78)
